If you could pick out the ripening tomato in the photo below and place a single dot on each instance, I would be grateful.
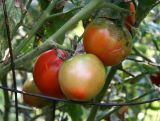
(30, 87)
(155, 78)
(82, 77)
(46, 73)
(130, 20)
(108, 41)
(155, 105)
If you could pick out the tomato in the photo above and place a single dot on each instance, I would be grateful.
(155, 105)
(130, 20)
(108, 41)
(155, 78)
(30, 87)
(46, 73)
(82, 77)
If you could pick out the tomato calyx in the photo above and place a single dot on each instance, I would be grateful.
(61, 54)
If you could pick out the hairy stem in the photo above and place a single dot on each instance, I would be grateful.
(42, 19)
(22, 18)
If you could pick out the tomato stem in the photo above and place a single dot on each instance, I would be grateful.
(37, 25)
(94, 109)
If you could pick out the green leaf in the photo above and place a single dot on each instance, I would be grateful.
(75, 111)
(143, 9)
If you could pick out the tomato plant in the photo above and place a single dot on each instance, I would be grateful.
(30, 87)
(130, 20)
(108, 41)
(155, 78)
(82, 77)
(46, 72)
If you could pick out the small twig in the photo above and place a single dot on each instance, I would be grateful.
(140, 54)
(21, 106)
(63, 13)
(158, 2)
(144, 62)
(22, 18)
(11, 54)
(38, 24)
(125, 71)
(156, 44)
(138, 76)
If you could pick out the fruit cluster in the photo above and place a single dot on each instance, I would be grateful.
(83, 76)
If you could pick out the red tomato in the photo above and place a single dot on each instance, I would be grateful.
(155, 78)
(82, 77)
(130, 20)
(46, 73)
(30, 87)
(106, 40)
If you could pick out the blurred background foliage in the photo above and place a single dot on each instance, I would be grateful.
(130, 82)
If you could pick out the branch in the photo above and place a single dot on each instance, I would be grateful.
(22, 18)
(42, 19)
(138, 76)
(144, 62)
(125, 71)
(140, 54)
(63, 13)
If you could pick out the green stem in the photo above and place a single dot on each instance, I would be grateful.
(94, 109)
(142, 55)
(22, 18)
(6, 100)
(63, 13)
(51, 116)
(86, 11)
(42, 19)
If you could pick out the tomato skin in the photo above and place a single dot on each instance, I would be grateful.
(107, 41)
(82, 77)
(30, 87)
(46, 73)
(155, 78)
(130, 20)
